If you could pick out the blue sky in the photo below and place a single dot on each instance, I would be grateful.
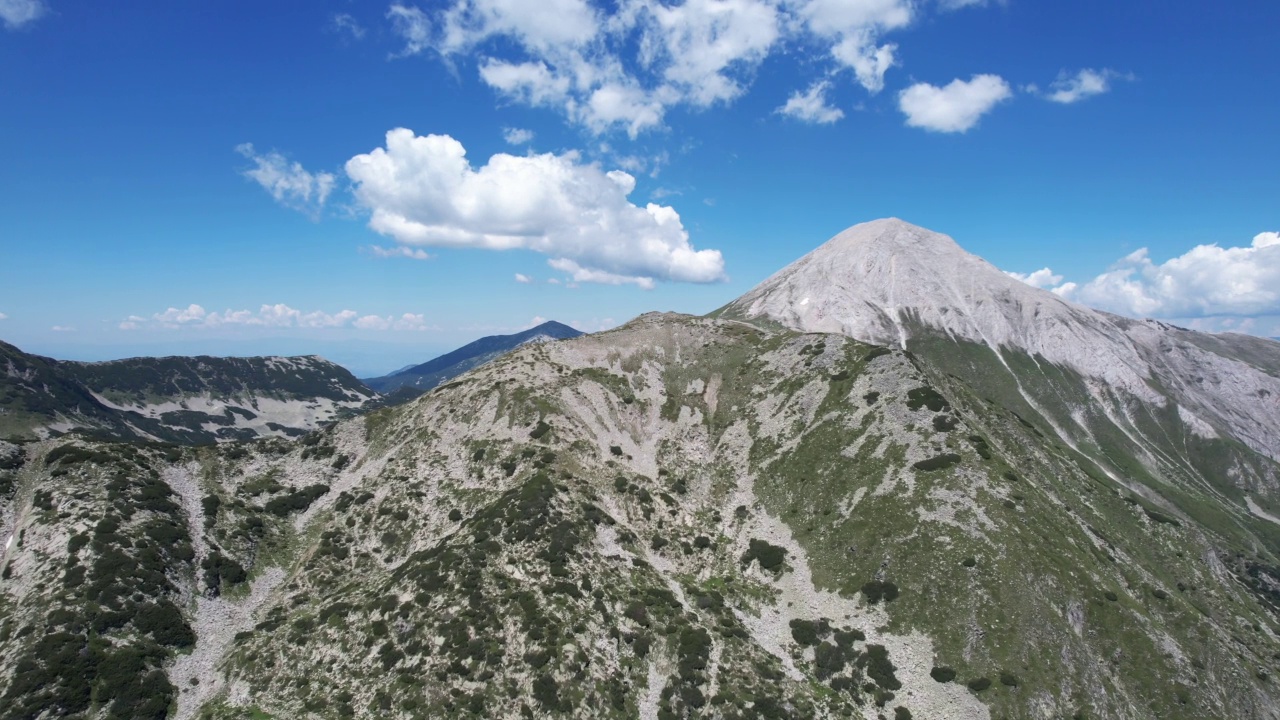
(236, 156)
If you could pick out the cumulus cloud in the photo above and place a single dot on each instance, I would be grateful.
(623, 65)
(62, 328)
(517, 136)
(1043, 278)
(288, 182)
(523, 279)
(3, 316)
(811, 105)
(959, 4)
(956, 107)
(423, 191)
(270, 316)
(1207, 280)
(1070, 88)
(18, 13)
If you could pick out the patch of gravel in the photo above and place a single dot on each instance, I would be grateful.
(217, 620)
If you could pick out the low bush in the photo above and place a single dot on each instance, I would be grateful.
(926, 396)
(979, 684)
(941, 462)
(876, 590)
(770, 557)
(943, 674)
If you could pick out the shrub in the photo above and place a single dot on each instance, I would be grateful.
(1008, 679)
(875, 591)
(1111, 596)
(769, 556)
(944, 423)
(926, 396)
(538, 432)
(979, 684)
(969, 562)
(943, 674)
(901, 713)
(941, 462)
(296, 500)
(805, 632)
(880, 669)
(547, 692)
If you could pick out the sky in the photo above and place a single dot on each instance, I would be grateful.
(381, 182)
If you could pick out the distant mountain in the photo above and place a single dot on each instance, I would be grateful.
(410, 382)
(190, 400)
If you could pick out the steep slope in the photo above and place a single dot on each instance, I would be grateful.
(1204, 409)
(682, 517)
(191, 400)
(408, 383)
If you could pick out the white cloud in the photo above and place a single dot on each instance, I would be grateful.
(532, 83)
(517, 136)
(623, 65)
(270, 316)
(345, 23)
(3, 316)
(422, 191)
(523, 279)
(62, 328)
(701, 43)
(407, 321)
(17, 13)
(580, 274)
(413, 27)
(1207, 280)
(811, 105)
(946, 5)
(543, 26)
(1086, 83)
(956, 107)
(398, 252)
(289, 183)
(854, 27)
(1043, 278)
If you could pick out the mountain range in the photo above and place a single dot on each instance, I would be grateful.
(190, 400)
(890, 481)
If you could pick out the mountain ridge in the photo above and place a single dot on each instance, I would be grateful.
(413, 380)
(680, 517)
(187, 399)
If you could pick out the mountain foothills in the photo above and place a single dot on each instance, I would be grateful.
(889, 482)
(190, 400)
(407, 383)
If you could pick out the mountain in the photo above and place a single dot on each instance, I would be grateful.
(682, 517)
(889, 282)
(191, 400)
(410, 382)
